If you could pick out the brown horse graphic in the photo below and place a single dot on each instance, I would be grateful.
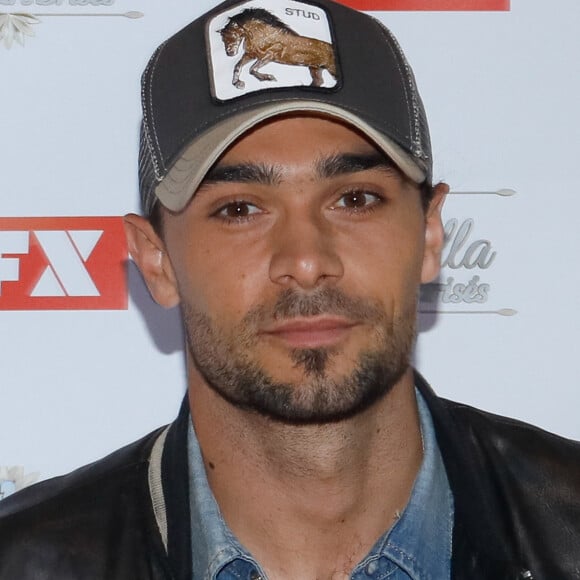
(267, 39)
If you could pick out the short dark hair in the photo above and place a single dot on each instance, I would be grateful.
(427, 192)
(155, 218)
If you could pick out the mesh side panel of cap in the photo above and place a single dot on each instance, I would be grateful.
(147, 179)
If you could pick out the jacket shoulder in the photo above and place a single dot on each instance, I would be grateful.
(535, 476)
(515, 439)
(69, 526)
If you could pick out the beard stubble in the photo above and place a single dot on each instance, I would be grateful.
(224, 360)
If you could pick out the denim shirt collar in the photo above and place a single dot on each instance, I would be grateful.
(213, 544)
(419, 543)
(417, 547)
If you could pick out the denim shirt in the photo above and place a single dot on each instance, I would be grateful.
(416, 547)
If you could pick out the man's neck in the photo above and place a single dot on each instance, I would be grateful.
(323, 493)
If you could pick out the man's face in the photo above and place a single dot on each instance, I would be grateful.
(297, 264)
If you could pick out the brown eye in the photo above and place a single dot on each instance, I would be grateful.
(237, 210)
(356, 200)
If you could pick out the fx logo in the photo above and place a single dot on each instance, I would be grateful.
(62, 264)
(431, 5)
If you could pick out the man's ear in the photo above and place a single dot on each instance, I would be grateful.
(434, 234)
(148, 252)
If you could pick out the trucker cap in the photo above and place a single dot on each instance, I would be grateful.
(245, 62)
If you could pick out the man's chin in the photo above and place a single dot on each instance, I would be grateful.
(302, 385)
(311, 397)
(306, 369)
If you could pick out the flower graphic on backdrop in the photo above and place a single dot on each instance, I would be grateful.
(13, 479)
(14, 27)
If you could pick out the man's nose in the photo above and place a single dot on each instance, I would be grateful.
(305, 253)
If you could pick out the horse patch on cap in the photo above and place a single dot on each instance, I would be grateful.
(265, 44)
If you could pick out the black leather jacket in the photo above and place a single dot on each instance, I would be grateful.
(516, 491)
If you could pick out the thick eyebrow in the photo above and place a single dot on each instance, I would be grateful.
(243, 173)
(343, 163)
(326, 168)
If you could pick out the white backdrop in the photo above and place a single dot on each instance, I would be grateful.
(501, 92)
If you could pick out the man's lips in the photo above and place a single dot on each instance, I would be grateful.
(310, 332)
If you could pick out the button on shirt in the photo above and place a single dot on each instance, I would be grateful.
(416, 547)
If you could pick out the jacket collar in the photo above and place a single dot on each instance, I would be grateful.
(484, 543)
(483, 540)
(175, 480)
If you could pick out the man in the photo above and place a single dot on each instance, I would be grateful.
(285, 174)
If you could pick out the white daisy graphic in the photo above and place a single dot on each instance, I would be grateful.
(13, 479)
(15, 27)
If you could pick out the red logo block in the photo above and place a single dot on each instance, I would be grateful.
(430, 5)
(76, 263)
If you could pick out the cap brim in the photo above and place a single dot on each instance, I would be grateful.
(187, 173)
